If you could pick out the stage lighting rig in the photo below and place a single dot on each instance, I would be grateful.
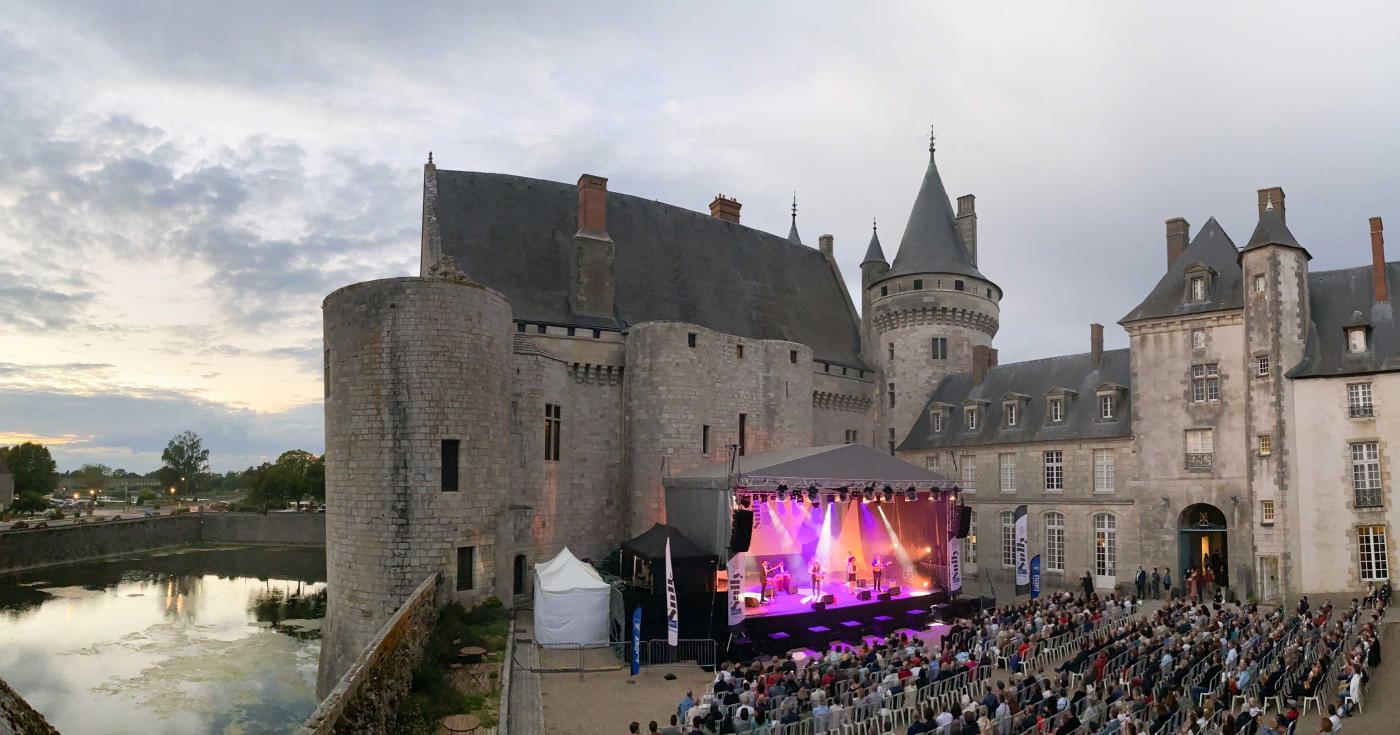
(889, 494)
(844, 494)
(812, 494)
(744, 501)
(911, 494)
(869, 492)
(782, 493)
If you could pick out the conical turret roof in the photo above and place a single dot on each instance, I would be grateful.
(931, 243)
(1271, 230)
(874, 253)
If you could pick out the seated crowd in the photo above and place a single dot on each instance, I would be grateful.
(1071, 665)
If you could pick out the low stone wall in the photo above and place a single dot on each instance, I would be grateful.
(278, 529)
(34, 548)
(368, 695)
(96, 539)
(18, 718)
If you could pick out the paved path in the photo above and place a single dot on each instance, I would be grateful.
(526, 715)
(1382, 697)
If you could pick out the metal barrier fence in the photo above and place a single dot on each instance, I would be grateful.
(570, 657)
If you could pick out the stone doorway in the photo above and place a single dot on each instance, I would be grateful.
(1204, 541)
(519, 587)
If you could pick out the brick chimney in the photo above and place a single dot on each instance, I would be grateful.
(593, 289)
(1178, 237)
(984, 358)
(827, 244)
(1382, 293)
(725, 208)
(967, 224)
(1096, 345)
(1272, 194)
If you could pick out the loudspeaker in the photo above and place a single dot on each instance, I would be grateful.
(742, 531)
(885, 596)
(863, 594)
(750, 602)
(819, 605)
(894, 591)
(829, 599)
(964, 521)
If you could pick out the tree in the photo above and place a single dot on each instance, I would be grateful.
(32, 466)
(29, 503)
(92, 477)
(185, 460)
(296, 474)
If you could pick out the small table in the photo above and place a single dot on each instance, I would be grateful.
(472, 654)
(461, 723)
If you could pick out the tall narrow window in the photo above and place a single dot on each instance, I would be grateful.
(1356, 339)
(792, 356)
(690, 339)
(1103, 471)
(1261, 365)
(1057, 410)
(553, 427)
(1198, 289)
(970, 543)
(891, 350)
(970, 416)
(1198, 338)
(1266, 512)
(705, 439)
(739, 351)
(743, 434)
(466, 562)
(1205, 382)
(1106, 407)
(940, 348)
(1375, 566)
(1259, 283)
(1366, 474)
(1010, 410)
(891, 442)
(967, 466)
(1105, 547)
(1008, 539)
(889, 393)
(1054, 542)
(1007, 465)
(1266, 445)
(1054, 470)
(326, 373)
(935, 418)
(450, 449)
(1359, 400)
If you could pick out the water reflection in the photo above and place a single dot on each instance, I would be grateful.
(206, 640)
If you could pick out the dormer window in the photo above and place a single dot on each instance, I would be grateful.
(1356, 339)
(1198, 289)
(970, 416)
(1057, 410)
(935, 420)
(1011, 412)
(1106, 407)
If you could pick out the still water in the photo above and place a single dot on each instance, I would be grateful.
(198, 640)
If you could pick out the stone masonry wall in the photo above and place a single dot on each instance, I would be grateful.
(65, 544)
(280, 529)
(366, 699)
(672, 391)
(413, 362)
(18, 718)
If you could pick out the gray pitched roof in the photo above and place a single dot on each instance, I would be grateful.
(1036, 379)
(515, 235)
(874, 253)
(931, 243)
(1212, 248)
(1271, 230)
(1335, 298)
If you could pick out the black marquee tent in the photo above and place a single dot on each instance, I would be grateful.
(693, 567)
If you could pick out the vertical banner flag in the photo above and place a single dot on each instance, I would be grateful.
(1023, 572)
(735, 571)
(636, 640)
(1035, 576)
(673, 624)
(954, 564)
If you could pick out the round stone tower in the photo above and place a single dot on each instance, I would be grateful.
(417, 391)
(930, 309)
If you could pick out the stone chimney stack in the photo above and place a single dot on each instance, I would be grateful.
(1178, 237)
(593, 289)
(1382, 292)
(827, 244)
(1272, 195)
(725, 208)
(967, 224)
(984, 358)
(1096, 345)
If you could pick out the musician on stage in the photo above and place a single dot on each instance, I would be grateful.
(851, 573)
(877, 571)
(763, 581)
(817, 578)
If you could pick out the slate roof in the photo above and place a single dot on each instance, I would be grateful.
(1271, 230)
(874, 253)
(931, 243)
(1036, 379)
(515, 235)
(836, 464)
(1213, 248)
(1336, 298)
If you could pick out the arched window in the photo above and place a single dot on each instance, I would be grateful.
(1008, 539)
(1054, 541)
(1105, 549)
(970, 543)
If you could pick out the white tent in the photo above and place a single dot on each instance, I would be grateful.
(571, 602)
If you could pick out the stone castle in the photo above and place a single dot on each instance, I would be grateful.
(565, 347)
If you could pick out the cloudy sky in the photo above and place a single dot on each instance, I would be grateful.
(180, 184)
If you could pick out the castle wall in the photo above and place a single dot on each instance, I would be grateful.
(673, 390)
(1168, 482)
(1328, 554)
(412, 362)
(840, 405)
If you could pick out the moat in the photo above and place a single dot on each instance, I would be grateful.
(194, 640)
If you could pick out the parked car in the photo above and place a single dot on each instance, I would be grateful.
(148, 513)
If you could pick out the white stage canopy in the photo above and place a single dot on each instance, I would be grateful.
(571, 602)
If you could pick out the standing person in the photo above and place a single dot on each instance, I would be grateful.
(1088, 584)
(763, 581)
(851, 573)
(1192, 587)
(817, 578)
(1141, 581)
(1167, 583)
(1156, 584)
(1209, 575)
(877, 571)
